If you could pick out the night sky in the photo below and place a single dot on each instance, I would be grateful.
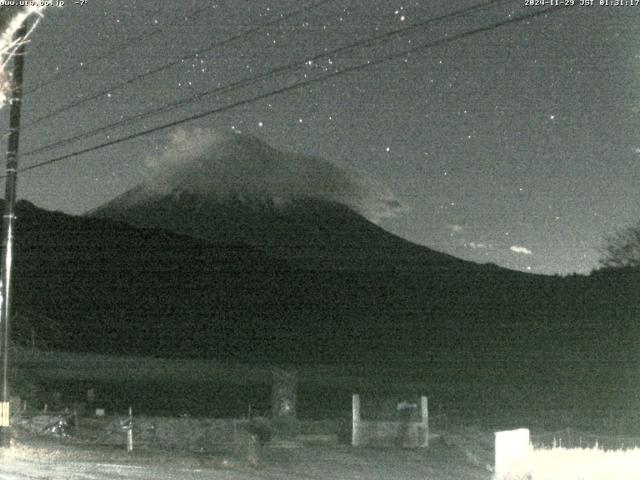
(518, 145)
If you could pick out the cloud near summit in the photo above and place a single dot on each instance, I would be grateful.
(206, 162)
(521, 249)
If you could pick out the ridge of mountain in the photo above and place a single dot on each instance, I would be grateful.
(235, 189)
(308, 232)
(101, 286)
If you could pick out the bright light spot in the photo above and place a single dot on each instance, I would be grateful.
(511, 448)
(8, 45)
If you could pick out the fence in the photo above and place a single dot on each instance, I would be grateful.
(174, 434)
(196, 435)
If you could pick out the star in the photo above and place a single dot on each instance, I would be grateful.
(442, 99)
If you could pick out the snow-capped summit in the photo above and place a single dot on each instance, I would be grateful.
(236, 189)
(217, 165)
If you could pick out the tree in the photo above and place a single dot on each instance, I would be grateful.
(622, 248)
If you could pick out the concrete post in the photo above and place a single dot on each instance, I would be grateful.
(424, 410)
(355, 426)
(129, 426)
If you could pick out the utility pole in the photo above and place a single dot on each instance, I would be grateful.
(7, 228)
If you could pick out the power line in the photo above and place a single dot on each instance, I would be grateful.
(433, 44)
(298, 85)
(173, 63)
(272, 73)
(115, 50)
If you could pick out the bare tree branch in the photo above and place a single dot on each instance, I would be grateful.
(622, 248)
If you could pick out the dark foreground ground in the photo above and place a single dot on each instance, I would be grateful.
(464, 454)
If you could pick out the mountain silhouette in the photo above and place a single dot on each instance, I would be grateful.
(236, 270)
(352, 289)
(313, 217)
(99, 285)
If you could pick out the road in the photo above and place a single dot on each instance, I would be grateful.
(23, 470)
(437, 463)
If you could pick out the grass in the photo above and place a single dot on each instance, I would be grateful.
(578, 464)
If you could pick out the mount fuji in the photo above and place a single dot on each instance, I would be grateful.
(234, 189)
(345, 274)
(234, 251)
